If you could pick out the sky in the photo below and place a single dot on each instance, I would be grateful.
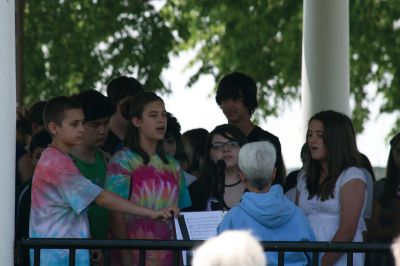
(196, 107)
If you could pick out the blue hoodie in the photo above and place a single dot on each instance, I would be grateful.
(271, 217)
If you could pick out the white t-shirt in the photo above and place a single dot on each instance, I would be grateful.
(324, 216)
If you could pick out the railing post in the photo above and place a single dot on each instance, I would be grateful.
(315, 257)
(176, 257)
(349, 258)
(281, 258)
(106, 257)
(36, 257)
(72, 253)
(142, 257)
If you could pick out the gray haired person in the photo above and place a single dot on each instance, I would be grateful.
(264, 209)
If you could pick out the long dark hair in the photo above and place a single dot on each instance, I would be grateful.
(392, 174)
(194, 144)
(340, 143)
(134, 108)
(208, 170)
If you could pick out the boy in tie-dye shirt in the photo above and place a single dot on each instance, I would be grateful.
(60, 194)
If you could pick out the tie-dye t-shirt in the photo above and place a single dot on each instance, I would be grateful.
(155, 185)
(60, 196)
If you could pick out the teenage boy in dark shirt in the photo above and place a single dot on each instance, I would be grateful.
(237, 97)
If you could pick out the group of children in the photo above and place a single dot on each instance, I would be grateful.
(69, 175)
(109, 171)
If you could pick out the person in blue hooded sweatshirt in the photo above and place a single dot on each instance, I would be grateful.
(265, 210)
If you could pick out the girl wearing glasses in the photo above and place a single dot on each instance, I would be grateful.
(207, 192)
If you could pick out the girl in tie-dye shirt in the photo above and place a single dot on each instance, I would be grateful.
(142, 173)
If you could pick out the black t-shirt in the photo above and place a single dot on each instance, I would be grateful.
(291, 180)
(198, 195)
(111, 144)
(258, 134)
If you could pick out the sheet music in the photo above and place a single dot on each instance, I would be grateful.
(200, 226)
(203, 225)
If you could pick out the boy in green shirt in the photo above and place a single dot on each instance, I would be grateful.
(89, 159)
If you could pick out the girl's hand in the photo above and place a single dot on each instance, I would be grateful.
(165, 214)
(175, 210)
(162, 214)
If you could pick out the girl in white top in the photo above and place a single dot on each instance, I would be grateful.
(332, 189)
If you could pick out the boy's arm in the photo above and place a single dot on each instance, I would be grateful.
(116, 203)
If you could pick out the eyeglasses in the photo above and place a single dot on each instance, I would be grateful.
(220, 146)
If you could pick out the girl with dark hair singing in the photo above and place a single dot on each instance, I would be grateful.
(144, 174)
(332, 189)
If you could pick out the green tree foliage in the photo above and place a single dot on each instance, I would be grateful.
(375, 55)
(263, 38)
(74, 45)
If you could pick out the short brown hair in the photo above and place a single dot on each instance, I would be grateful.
(54, 110)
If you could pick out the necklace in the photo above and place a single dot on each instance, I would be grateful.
(234, 184)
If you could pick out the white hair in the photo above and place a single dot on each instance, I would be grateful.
(396, 251)
(257, 163)
(231, 248)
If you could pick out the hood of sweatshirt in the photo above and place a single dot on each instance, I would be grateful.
(272, 209)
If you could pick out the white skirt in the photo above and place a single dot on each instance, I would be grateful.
(326, 226)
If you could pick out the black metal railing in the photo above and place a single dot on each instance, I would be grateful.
(179, 245)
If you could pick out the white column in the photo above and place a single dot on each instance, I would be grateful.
(7, 132)
(325, 57)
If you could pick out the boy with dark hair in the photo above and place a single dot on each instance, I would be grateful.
(88, 157)
(61, 194)
(264, 209)
(119, 90)
(237, 97)
(238, 86)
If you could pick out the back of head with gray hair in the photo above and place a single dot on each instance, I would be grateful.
(231, 248)
(257, 163)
